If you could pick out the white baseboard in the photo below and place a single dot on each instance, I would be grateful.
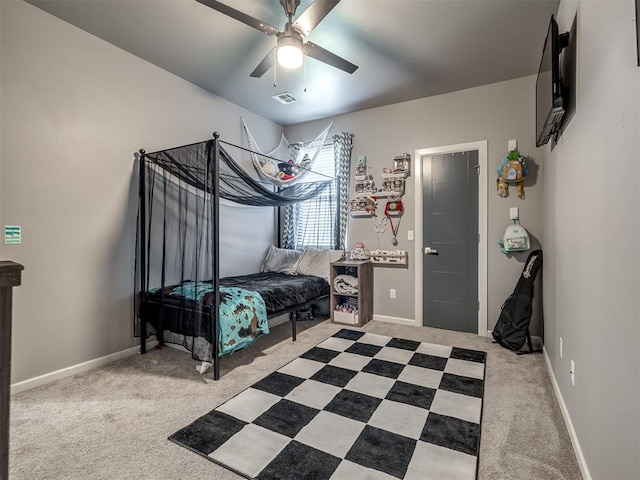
(567, 420)
(536, 341)
(398, 320)
(75, 369)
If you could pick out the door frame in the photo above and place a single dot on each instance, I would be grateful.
(482, 148)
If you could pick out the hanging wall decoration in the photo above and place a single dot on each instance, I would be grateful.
(511, 171)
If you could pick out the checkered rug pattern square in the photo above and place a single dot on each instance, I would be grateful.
(357, 406)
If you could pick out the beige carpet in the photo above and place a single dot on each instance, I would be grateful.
(113, 422)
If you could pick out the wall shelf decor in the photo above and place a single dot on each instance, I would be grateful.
(389, 258)
(362, 207)
(366, 194)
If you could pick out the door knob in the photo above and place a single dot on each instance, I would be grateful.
(430, 251)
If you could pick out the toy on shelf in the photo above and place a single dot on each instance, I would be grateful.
(361, 168)
(362, 207)
(394, 208)
(359, 253)
(393, 186)
(365, 188)
(346, 312)
(401, 164)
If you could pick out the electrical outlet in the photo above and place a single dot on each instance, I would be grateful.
(410, 235)
(572, 372)
(392, 293)
(560, 347)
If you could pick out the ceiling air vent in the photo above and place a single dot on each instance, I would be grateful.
(285, 98)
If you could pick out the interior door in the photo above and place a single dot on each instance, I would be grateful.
(450, 236)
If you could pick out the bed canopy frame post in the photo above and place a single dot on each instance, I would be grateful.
(143, 243)
(215, 232)
(186, 165)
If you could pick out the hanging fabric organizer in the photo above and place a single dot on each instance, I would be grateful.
(297, 159)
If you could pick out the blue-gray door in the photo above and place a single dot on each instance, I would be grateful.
(450, 236)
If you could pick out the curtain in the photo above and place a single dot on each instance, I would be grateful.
(288, 228)
(342, 145)
(295, 217)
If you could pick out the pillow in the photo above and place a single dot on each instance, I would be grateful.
(317, 262)
(280, 260)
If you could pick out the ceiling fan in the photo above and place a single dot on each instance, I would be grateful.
(290, 47)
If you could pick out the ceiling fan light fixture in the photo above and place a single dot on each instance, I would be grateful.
(289, 51)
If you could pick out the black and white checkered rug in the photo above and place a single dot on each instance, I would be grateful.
(356, 406)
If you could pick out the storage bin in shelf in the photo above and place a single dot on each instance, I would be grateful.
(360, 303)
(345, 317)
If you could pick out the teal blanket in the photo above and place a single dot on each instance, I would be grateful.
(243, 313)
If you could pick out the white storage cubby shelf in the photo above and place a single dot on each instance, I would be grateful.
(392, 185)
(360, 302)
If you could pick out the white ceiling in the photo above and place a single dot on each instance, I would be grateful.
(405, 49)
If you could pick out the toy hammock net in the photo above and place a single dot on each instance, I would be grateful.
(296, 159)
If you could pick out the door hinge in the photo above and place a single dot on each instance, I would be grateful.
(478, 306)
(477, 167)
(478, 238)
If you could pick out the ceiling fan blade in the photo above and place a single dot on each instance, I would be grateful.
(319, 53)
(264, 65)
(313, 15)
(241, 17)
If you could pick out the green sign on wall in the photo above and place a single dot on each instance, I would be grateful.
(12, 235)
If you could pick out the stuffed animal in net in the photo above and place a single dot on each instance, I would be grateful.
(286, 171)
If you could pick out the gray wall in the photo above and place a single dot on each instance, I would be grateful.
(74, 111)
(591, 223)
(496, 113)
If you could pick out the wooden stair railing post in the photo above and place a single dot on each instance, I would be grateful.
(10, 274)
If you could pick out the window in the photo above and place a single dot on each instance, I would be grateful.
(315, 219)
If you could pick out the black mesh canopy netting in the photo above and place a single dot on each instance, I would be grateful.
(182, 191)
(193, 164)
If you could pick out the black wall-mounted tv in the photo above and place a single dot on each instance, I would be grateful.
(550, 94)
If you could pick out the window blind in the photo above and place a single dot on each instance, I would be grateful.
(316, 222)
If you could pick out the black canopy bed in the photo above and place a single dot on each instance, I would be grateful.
(181, 295)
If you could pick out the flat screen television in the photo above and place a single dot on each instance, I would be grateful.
(550, 101)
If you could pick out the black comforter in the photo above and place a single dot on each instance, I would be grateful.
(279, 291)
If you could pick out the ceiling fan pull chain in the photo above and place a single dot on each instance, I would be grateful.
(304, 60)
(275, 66)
